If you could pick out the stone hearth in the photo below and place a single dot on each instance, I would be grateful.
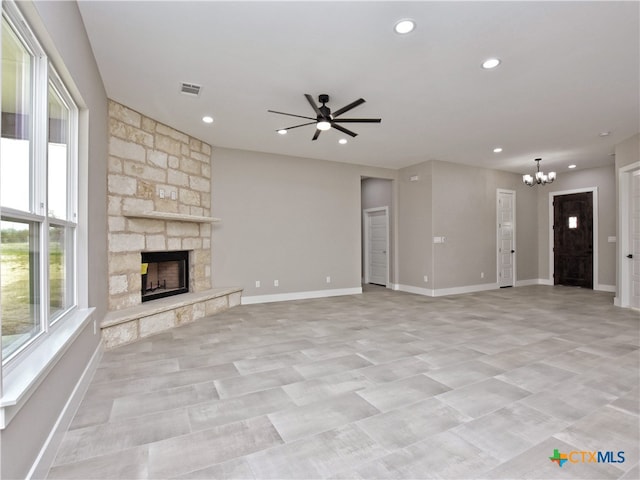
(131, 324)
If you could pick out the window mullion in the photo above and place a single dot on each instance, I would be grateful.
(40, 141)
(40, 136)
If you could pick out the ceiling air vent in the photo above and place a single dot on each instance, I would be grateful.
(190, 89)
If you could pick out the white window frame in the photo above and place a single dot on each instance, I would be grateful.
(71, 283)
(44, 75)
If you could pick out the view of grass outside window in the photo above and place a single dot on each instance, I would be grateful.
(57, 297)
(37, 192)
(20, 281)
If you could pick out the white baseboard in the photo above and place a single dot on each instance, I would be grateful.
(526, 283)
(605, 288)
(486, 286)
(43, 462)
(417, 290)
(285, 297)
(546, 281)
(441, 292)
(466, 289)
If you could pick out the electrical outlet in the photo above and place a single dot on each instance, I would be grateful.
(328, 279)
(257, 283)
(174, 195)
(276, 283)
(481, 274)
(161, 193)
(426, 279)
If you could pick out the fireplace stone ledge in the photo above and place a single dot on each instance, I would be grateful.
(124, 326)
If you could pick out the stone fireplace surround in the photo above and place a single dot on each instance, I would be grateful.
(159, 199)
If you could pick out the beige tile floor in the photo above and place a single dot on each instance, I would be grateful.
(379, 385)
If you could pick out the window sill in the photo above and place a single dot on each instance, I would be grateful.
(25, 377)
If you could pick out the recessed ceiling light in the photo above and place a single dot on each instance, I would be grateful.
(207, 119)
(404, 26)
(605, 134)
(342, 141)
(571, 166)
(497, 150)
(282, 131)
(490, 63)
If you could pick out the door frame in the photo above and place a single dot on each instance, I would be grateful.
(513, 273)
(623, 298)
(366, 220)
(552, 195)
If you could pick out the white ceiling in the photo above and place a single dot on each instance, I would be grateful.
(570, 70)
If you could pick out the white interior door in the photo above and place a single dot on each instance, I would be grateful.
(634, 242)
(506, 238)
(376, 222)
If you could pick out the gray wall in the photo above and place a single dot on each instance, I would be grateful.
(603, 178)
(378, 192)
(459, 203)
(289, 219)
(414, 226)
(59, 26)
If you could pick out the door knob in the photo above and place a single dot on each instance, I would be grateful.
(513, 251)
(630, 255)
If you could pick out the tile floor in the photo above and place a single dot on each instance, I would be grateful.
(373, 386)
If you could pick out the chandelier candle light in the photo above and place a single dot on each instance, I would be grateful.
(540, 177)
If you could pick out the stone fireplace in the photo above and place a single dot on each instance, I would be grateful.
(159, 200)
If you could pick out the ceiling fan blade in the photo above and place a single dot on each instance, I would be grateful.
(291, 115)
(317, 134)
(296, 126)
(343, 130)
(313, 105)
(358, 120)
(346, 108)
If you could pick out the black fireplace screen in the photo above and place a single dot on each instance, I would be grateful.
(164, 274)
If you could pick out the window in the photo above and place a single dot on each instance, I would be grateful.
(38, 185)
(573, 222)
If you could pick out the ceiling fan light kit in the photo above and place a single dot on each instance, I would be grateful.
(323, 125)
(540, 178)
(325, 120)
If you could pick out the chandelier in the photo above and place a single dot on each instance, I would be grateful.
(540, 178)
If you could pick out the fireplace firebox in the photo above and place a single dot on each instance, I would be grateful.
(164, 274)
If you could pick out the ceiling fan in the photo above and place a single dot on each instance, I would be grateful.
(325, 120)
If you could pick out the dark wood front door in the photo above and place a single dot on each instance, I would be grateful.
(573, 240)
